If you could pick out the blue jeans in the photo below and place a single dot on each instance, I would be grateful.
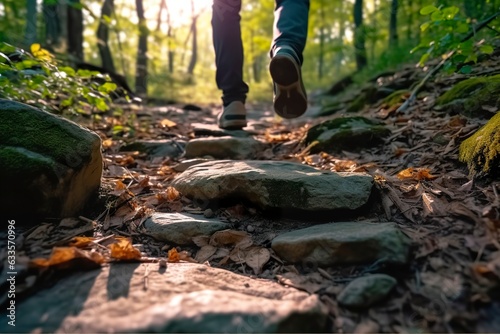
(290, 29)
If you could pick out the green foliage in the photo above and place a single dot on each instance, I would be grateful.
(444, 35)
(38, 78)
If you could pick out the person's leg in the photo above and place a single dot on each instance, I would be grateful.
(290, 26)
(289, 39)
(228, 50)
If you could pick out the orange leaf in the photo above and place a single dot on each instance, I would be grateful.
(172, 194)
(80, 242)
(123, 250)
(418, 174)
(70, 257)
(173, 255)
(166, 123)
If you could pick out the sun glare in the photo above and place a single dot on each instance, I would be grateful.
(180, 10)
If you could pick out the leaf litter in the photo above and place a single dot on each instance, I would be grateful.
(453, 220)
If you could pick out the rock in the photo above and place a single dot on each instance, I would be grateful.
(157, 148)
(275, 184)
(182, 166)
(225, 147)
(180, 228)
(366, 291)
(344, 243)
(481, 151)
(471, 96)
(347, 133)
(213, 130)
(183, 298)
(50, 167)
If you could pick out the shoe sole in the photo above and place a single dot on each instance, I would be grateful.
(233, 125)
(290, 102)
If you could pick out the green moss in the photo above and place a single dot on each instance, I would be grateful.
(469, 96)
(358, 104)
(395, 98)
(481, 151)
(347, 133)
(44, 133)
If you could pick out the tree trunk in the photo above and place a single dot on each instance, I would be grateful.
(31, 26)
(393, 24)
(75, 30)
(410, 21)
(374, 28)
(359, 35)
(194, 42)
(52, 24)
(170, 44)
(322, 36)
(339, 57)
(103, 36)
(141, 69)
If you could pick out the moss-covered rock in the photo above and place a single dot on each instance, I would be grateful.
(49, 166)
(348, 133)
(469, 97)
(395, 98)
(481, 151)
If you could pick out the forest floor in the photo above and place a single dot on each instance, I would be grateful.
(452, 283)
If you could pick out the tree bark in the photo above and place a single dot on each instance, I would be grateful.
(194, 42)
(359, 36)
(322, 36)
(141, 69)
(31, 26)
(75, 30)
(393, 25)
(103, 36)
(52, 24)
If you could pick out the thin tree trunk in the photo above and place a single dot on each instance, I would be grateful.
(31, 26)
(52, 24)
(170, 44)
(340, 54)
(322, 36)
(75, 30)
(374, 27)
(194, 42)
(141, 69)
(359, 35)
(410, 21)
(103, 36)
(393, 25)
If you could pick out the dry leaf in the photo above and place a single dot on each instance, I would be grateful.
(431, 205)
(70, 257)
(256, 258)
(201, 240)
(166, 123)
(122, 249)
(173, 255)
(205, 253)
(418, 174)
(80, 242)
(230, 237)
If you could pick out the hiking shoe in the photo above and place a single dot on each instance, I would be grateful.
(233, 116)
(290, 99)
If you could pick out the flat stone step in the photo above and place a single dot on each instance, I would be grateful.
(183, 298)
(344, 243)
(275, 184)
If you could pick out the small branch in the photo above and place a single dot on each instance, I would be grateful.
(438, 67)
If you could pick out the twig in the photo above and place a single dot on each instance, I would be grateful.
(436, 69)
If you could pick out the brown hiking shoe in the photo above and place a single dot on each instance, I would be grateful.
(290, 99)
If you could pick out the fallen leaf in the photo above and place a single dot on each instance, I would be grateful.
(418, 174)
(123, 250)
(256, 258)
(68, 258)
(80, 242)
(173, 255)
(201, 240)
(230, 237)
(205, 253)
(166, 123)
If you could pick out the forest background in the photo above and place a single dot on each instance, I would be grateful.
(164, 47)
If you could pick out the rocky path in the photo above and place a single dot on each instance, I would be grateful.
(322, 224)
